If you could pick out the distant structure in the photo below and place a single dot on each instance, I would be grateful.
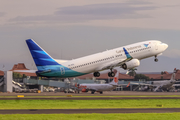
(21, 66)
(163, 76)
(153, 76)
(1, 74)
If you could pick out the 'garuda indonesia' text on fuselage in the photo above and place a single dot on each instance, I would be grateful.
(126, 57)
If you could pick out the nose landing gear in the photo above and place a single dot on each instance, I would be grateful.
(156, 60)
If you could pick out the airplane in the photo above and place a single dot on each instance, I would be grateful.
(99, 87)
(126, 57)
(163, 85)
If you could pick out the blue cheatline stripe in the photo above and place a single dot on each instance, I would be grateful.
(127, 54)
(41, 58)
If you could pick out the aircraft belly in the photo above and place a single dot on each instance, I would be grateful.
(66, 73)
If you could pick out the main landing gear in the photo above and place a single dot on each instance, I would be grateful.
(111, 74)
(92, 92)
(96, 74)
(156, 60)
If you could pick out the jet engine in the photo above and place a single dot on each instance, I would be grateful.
(131, 64)
(84, 90)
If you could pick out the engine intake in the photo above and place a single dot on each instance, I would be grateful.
(131, 64)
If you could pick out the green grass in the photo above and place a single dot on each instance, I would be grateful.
(136, 116)
(88, 104)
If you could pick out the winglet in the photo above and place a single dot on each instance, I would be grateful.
(128, 84)
(127, 54)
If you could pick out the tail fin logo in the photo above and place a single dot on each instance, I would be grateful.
(127, 54)
(116, 80)
(128, 84)
(41, 58)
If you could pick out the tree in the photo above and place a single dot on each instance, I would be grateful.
(132, 72)
(141, 76)
(17, 75)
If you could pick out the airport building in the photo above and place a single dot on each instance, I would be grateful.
(31, 81)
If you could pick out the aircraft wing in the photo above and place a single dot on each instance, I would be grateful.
(91, 88)
(133, 83)
(25, 71)
(158, 87)
(110, 65)
(174, 85)
(116, 63)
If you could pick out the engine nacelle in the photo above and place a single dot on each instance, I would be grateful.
(131, 64)
(84, 90)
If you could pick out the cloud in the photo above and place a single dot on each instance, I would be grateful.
(2, 14)
(106, 11)
(173, 53)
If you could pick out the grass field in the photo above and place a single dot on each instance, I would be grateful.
(137, 116)
(88, 104)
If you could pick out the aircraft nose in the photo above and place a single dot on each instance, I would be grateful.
(165, 46)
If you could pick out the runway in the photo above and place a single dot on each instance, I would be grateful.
(106, 93)
(88, 98)
(109, 95)
(103, 111)
(113, 95)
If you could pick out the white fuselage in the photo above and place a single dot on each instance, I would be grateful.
(165, 84)
(98, 87)
(97, 62)
(126, 57)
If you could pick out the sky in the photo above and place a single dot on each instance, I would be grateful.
(68, 29)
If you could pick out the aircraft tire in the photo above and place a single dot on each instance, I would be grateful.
(156, 60)
(111, 74)
(96, 74)
(101, 92)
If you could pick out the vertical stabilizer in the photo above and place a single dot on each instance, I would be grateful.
(116, 79)
(40, 57)
(173, 77)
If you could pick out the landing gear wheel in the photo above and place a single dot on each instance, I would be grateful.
(111, 74)
(156, 60)
(101, 92)
(92, 92)
(96, 74)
